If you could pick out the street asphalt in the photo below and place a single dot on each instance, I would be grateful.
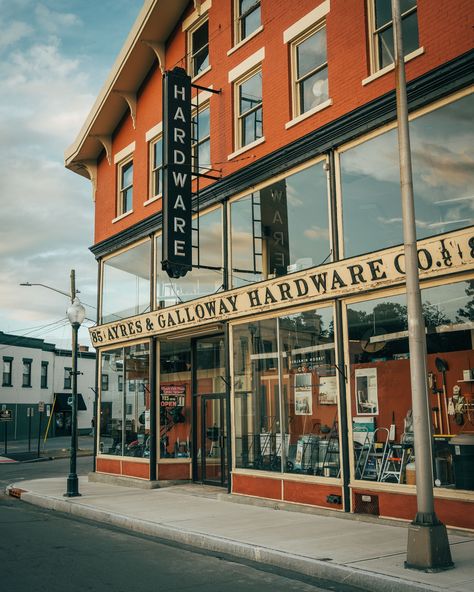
(363, 554)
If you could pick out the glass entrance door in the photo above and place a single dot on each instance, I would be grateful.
(210, 408)
(212, 445)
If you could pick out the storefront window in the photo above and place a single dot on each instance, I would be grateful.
(126, 283)
(175, 398)
(129, 399)
(285, 395)
(281, 228)
(202, 280)
(310, 393)
(443, 180)
(381, 393)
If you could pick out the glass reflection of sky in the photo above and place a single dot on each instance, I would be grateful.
(308, 225)
(443, 178)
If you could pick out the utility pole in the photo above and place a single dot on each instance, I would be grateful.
(428, 545)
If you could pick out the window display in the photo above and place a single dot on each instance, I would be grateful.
(124, 427)
(286, 413)
(380, 386)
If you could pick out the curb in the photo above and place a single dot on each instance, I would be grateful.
(358, 578)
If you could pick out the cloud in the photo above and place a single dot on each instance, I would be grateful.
(316, 233)
(53, 21)
(16, 31)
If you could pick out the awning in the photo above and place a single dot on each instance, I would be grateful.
(64, 400)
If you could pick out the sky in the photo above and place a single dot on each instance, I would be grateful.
(54, 58)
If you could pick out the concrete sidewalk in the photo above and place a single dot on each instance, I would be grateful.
(362, 554)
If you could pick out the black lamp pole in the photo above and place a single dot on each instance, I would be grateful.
(72, 480)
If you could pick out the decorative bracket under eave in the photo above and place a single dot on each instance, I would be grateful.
(106, 142)
(159, 49)
(197, 5)
(131, 99)
(91, 167)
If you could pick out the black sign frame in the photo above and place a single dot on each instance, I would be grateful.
(177, 170)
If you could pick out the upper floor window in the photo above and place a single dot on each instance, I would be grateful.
(310, 70)
(7, 371)
(44, 374)
(249, 109)
(199, 48)
(201, 145)
(156, 167)
(67, 378)
(26, 372)
(125, 184)
(248, 18)
(381, 30)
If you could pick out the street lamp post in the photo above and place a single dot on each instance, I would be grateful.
(428, 544)
(76, 314)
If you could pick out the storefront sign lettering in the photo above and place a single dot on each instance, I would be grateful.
(436, 256)
(177, 196)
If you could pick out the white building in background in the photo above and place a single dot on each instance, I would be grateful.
(34, 373)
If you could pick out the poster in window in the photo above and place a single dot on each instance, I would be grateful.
(303, 394)
(327, 390)
(366, 391)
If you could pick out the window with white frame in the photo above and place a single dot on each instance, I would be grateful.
(201, 144)
(27, 362)
(44, 374)
(247, 18)
(310, 70)
(198, 43)
(7, 371)
(156, 167)
(381, 31)
(125, 187)
(67, 378)
(249, 109)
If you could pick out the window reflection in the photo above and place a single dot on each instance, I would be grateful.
(282, 228)
(306, 392)
(126, 283)
(203, 280)
(380, 385)
(124, 426)
(443, 180)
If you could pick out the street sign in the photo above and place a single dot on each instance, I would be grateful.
(6, 415)
(41, 406)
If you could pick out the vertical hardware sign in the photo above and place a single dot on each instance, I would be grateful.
(177, 196)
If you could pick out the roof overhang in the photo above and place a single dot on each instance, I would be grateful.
(145, 42)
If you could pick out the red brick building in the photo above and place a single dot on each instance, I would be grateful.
(279, 365)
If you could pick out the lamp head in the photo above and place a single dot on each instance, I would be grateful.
(76, 313)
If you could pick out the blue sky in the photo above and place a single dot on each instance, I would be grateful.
(54, 57)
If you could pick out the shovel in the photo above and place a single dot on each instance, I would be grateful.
(442, 366)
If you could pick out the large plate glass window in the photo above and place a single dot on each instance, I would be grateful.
(286, 394)
(124, 425)
(382, 30)
(382, 422)
(199, 48)
(443, 180)
(281, 228)
(248, 18)
(249, 109)
(175, 398)
(310, 70)
(126, 283)
(125, 187)
(207, 276)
